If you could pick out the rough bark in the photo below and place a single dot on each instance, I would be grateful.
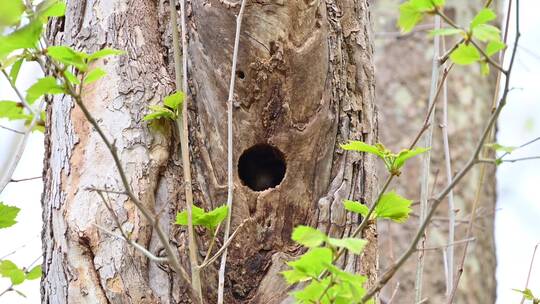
(403, 64)
(306, 84)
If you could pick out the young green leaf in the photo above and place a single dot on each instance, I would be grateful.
(159, 112)
(8, 269)
(51, 8)
(68, 56)
(104, 53)
(405, 155)
(10, 12)
(354, 245)
(46, 85)
(94, 75)
(494, 46)
(199, 217)
(499, 147)
(8, 215)
(483, 17)
(308, 236)
(465, 54)
(25, 37)
(14, 72)
(34, 273)
(356, 207)
(394, 207)
(174, 101)
(446, 32)
(71, 77)
(484, 68)
(409, 17)
(486, 32)
(359, 146)
(313, 292)
(12, 110)
(310, 264)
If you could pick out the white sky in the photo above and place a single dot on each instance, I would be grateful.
(518, 184)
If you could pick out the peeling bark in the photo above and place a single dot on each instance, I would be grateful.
(306, 84)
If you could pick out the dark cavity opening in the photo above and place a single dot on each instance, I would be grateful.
(240, 74)
(261, 167)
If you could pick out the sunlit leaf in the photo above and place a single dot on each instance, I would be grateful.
(483, 17)
(34, 273)
(494, 46)
(354, 245)
(51, 8)
(46, 85)
(405, 155)
(8, 269)
(159, 112)
(12, 110)
(8, 215)
(486, 32)
(104, 53)
(308, 236)
(94, 75)
(10, 12)
(199, 217)
(14, 72)
(446, 32)
(174, 101)
(465, 54)
(356, 207)
(25, 37)
(67, 56)
(359, 146)
(394, 207)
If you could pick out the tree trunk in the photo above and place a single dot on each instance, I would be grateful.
(403, 78)
(305, 85)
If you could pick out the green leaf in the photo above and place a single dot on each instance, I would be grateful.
(484, 16)
(359, 146)
(313, 292)
(409, 17)
(354, 245)
(34, 273)
(199, 217)
(10, 12)
(310, 265)
(8, 269)
(484, 68)
(356, 207)
(68, 56)
(175, 100)
(499, 147)
(527, 293)
(465, 54)
(394, 207)
(486, 32)
(14, 72)
(406, 154)
(51, 8)
(308, 236)
(46, 85)
(446, 32)
(8, 215)
(12, 110)
(94, 75)
(104, 53)
(25, 37)
(71, 77)
(159, 112)
(494, 47)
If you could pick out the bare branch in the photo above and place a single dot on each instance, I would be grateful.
(12, 130)
(530, 271)
(230, 180)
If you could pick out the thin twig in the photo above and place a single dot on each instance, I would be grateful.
(451, 206)
(225, 245)
(388, 274)
(451, 296)
(230, 180)
(12, 130)
(426, 157)
(529, 274)
(183, 127)
(25, 179)
(21, 98)
(448, 245)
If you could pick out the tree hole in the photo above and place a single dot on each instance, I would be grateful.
(240, 74)
(261, 167)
